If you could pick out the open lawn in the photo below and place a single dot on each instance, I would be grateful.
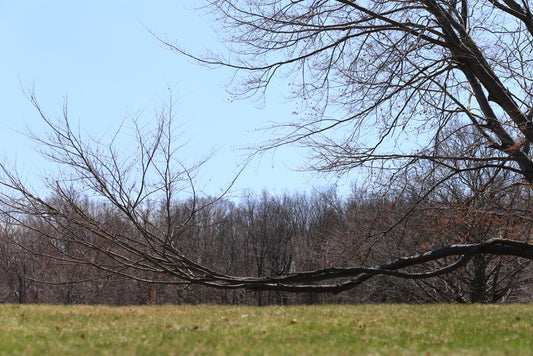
(301, 330)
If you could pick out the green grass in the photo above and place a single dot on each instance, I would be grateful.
(302, 330)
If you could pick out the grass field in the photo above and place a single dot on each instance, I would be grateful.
(302, 330)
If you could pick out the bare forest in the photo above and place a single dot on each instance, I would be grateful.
(264, 235)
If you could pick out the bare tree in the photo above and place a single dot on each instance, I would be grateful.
(371, 75)
(383, 85)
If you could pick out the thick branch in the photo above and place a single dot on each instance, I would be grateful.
(299, 282)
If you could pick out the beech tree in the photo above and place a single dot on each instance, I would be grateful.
(379, 82)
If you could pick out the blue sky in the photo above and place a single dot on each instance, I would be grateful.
(101, 58)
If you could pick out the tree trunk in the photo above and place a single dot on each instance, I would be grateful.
(479, 282)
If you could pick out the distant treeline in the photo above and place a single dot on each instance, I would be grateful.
(270, 235)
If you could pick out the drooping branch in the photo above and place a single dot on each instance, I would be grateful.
(460, 255)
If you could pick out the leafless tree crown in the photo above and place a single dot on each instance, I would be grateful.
(373, 74)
